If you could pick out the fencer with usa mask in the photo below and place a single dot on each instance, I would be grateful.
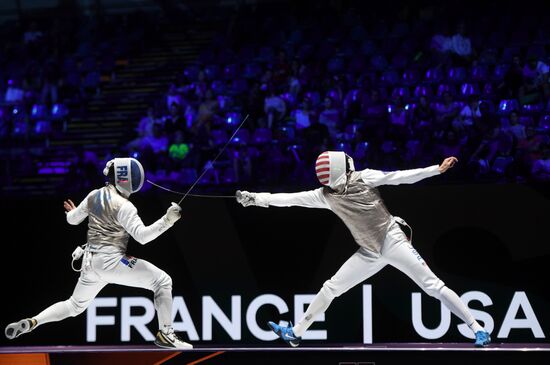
(112, 219)
(353, 196)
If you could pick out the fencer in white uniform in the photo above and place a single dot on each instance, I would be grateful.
(353, 196)
(112, 219)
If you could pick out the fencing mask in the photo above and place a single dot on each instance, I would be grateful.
(129, 175)
(331, 168)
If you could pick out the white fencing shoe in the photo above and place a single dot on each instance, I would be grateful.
(171, 341)
(16, 329)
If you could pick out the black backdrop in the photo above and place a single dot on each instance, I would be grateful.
(488, 238)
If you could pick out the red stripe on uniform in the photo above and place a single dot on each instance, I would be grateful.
(322, 163)
(322, 169)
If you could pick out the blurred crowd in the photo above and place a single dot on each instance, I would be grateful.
(51, 67)
(395, 85)
(394, 90)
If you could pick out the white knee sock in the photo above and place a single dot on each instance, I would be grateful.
(319, 305)
(455, 305)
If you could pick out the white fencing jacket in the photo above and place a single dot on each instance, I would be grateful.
(359, 205)
(112, 219)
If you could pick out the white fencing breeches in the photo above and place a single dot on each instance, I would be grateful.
(114, 269)
(396, 251)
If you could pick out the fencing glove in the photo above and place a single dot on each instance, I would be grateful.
(173, 213)
(247, 199)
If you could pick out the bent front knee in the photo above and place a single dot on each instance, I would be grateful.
(163, 282)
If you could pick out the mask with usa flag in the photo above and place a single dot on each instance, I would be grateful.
(331, 168)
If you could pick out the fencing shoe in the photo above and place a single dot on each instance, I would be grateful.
(16, 329)
(170, 340)
(482, 339)
(286, 333)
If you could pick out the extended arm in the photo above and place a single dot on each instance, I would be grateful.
(376, 177)
(130, 220)
(307, 199)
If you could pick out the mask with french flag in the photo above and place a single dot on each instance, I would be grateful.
(331, 168)
(129, 174)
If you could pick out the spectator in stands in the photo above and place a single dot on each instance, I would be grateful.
(174, 121)
(398, 117)
(316, 139)
(144, 128)
(536, 87)
(423, 114)
(267, 79)
(156, 144)
(200, 86)
(281, 68)
(241, 162)
(178, 151)
(208, 108)
(297, 73)
(391, 151)
(515, 128)
(173, 96)
(512, 81)
(480, 131)
(446, 112)
(376, 113)
(450, 143)
(200, 135)
(337, 89)
(488, 137)
(274, 107)
(529, 149)
(331, 117)
(50, 80)
(273, 165)
(469, 113)
(304, 114)
(504, 163)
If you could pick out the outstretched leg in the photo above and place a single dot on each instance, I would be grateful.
(359, 267)
(402, 255)
(86, 289)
